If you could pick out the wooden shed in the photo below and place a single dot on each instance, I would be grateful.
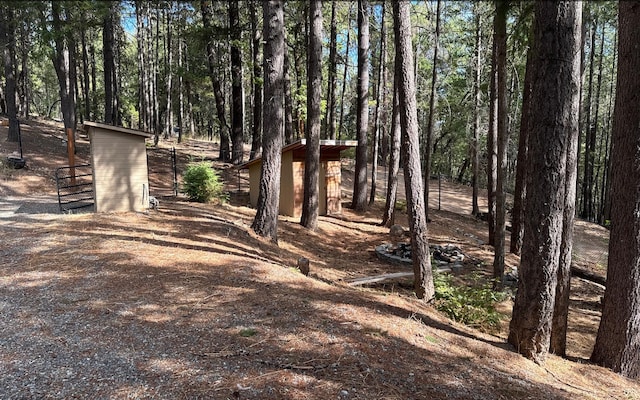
(119, 163)
(292, 177)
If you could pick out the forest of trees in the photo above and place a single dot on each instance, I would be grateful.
(522, 98)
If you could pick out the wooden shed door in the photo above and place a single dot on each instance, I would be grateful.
(333, 181)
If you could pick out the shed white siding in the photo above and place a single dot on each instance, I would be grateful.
(120, 175)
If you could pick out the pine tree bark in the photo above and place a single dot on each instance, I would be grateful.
(344, 74)
(475, 145)
(256, 142)
(168, 124)
(225, 152)
(181, 51)
(330, 131)
(85, 76)
(423, 279)
(432, 109)
(142, 76)
(108, 68)
(520, 191)
(62, 65)
(500, 36)
(265, 222)
(379, 104)
(359, 201)
(237, 110)
(288, 103)
(606, 185)
(618, 340)
(25, 80)
(7, 39)
(554, 107)
(156, 78)
(388, 217)
(310, 203)
(595, 214)
(492, 145)
(587, 181)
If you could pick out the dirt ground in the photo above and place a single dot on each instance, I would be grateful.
(186, 302)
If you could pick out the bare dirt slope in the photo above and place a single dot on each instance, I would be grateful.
(185, 302)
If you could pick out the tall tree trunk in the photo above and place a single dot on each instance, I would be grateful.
(475, 146)
(107, 51)
(379, 105)
(492, 145)
(225, 153)
(618, 340)
(297, 55)
(500, 32)
(7, 40)
(237, 110)
(359, 202)
(310, 204)
(344, 72)
(156, 77)
(554, 107)
(330, 131)
(432, 109)
(587, 181)
(62, 64)
(594, 212)
(25, 72)
(606, 185)
(85, 76)
(288, 103)
(94, 97)
(265, 222)
(423, 279)
(256, 142)
(142, 76)
(180, 88)
(388, 217)
(520, 192)
(168, 124)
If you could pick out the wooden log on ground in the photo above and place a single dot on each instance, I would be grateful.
(378, 278)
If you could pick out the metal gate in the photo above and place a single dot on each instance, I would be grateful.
(163, 172)
(75, 187)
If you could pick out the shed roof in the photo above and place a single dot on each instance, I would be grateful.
(117, 129)
(325, 145)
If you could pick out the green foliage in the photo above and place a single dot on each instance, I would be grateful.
(248, 332)
(202, 183)
(473, 306)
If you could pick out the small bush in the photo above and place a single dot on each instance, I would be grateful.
(473, 306)
(202, 183)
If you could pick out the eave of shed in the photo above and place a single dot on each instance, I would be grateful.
(114, 128)
(325, 146)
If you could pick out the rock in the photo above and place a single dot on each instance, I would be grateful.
(303, 265)
(396, 234)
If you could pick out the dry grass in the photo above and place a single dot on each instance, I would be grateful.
(185, 302)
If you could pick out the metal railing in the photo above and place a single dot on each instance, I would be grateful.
(75, 187)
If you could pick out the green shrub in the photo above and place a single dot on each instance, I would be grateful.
(202, 183)
(473, 306)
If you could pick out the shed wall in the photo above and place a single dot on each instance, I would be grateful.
(121, 180)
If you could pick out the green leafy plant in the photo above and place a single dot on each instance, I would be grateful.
(470, 305)
(248, 332)
(202, 183)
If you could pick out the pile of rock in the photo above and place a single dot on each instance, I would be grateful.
(447, 257)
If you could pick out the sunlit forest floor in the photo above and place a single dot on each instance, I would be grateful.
(186, 302)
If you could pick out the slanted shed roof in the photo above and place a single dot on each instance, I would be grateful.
(325, 146)
(117, 129)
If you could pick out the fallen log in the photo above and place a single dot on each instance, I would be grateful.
(378, 278)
